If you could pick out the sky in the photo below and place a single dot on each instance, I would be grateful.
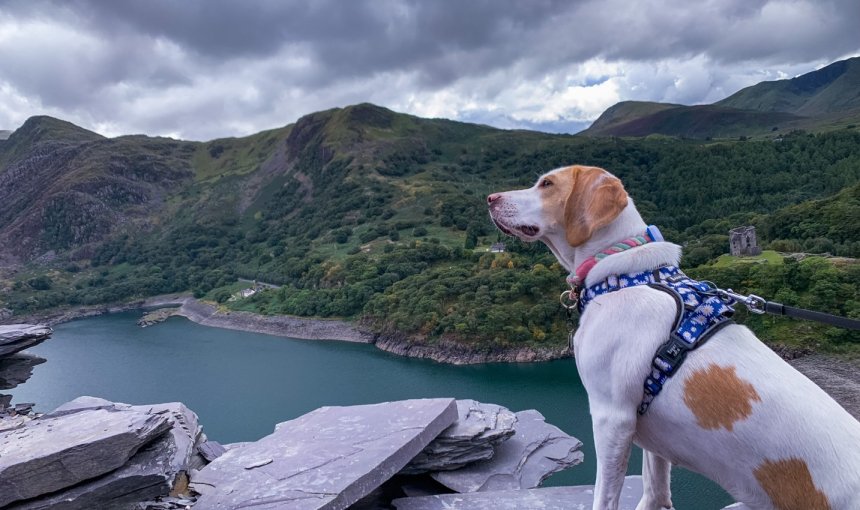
(204, 69)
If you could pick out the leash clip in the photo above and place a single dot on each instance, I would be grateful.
(569, 299)
(755, 304)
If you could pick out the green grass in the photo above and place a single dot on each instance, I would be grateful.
(767, 256)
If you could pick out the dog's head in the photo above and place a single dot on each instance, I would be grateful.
(569, 203)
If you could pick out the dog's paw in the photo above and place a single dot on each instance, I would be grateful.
(645, 504)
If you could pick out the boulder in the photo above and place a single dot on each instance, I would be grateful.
(16, 369)
(479, 428)
(327, 459)
(17, 337)
(211, 450)
(52, 453)
(157, 470)
(86, 403)
(547, 498)
(536, 451)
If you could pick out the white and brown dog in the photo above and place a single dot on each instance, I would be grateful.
(734, 412)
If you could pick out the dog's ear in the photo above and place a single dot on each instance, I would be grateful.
(596, 198)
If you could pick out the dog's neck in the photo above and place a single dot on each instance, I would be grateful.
(628, 224)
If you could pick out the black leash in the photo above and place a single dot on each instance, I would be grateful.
(759, 305)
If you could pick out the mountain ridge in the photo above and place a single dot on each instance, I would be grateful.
(821, 100)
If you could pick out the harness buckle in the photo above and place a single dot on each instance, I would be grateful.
(670, 355)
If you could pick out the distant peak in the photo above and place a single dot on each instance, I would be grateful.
(43, 127)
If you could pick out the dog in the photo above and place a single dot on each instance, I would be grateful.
(734, 411)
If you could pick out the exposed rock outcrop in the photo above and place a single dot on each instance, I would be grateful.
(16, 366)
(448, 351)
(156, 316)
(479, 428)
(53, 453)
(329, 458)
(550, 498)
(524, 461)
(100, 454)
(280, 325)
(17, 337)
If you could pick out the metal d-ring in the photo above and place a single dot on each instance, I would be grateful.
(568, 300)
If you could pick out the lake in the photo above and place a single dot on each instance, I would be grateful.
(241, 384)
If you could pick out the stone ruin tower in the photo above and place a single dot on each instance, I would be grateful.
(742, 242)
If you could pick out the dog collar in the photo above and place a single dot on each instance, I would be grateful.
(651, 234)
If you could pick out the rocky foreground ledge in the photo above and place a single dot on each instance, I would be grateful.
(422, 454)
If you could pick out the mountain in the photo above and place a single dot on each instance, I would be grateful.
(831, 89)
(822, 100)
(4, 134)
(364, 213)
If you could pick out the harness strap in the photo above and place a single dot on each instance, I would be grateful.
(699, 314)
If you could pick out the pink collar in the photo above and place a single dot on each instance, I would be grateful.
(651, 234)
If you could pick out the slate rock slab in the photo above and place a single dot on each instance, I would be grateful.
(211, 450)
(326, 459)
(579, 497)
(153, 472)
(17, 337)
(16, 369)
(53, 453)
(536, 451)
(479, 428)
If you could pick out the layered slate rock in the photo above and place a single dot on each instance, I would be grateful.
(16, 369)
(548, 498)
(479, 428)
(326, 459)
(17, 337)
(53, 453)
(536, 451)
(157, 470)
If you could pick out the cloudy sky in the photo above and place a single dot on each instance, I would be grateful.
(201, 69)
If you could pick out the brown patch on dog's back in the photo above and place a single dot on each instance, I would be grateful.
(718, 397)
(789, 484)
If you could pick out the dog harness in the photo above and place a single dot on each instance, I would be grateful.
(700, 313)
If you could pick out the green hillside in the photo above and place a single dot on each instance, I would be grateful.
(823, 100)
(365, 213)
(625, 111)
(831, 89)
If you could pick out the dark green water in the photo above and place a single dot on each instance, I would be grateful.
(242, 384)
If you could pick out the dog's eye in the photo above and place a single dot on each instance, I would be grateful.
(546, 183)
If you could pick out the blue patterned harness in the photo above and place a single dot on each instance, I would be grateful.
(700, 314)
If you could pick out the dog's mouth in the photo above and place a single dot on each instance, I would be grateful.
(525, 230)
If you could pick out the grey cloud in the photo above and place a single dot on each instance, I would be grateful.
(201, 56)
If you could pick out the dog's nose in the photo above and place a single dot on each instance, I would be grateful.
(492, 198)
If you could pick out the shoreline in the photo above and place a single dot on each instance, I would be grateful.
(303, 328)
(837, 376)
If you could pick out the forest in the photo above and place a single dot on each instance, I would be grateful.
(398, 240)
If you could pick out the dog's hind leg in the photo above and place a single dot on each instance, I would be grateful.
(655, 478)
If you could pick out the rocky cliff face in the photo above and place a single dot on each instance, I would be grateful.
(457, 354)
(64, 188)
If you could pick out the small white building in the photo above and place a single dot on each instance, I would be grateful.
(497, 248)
